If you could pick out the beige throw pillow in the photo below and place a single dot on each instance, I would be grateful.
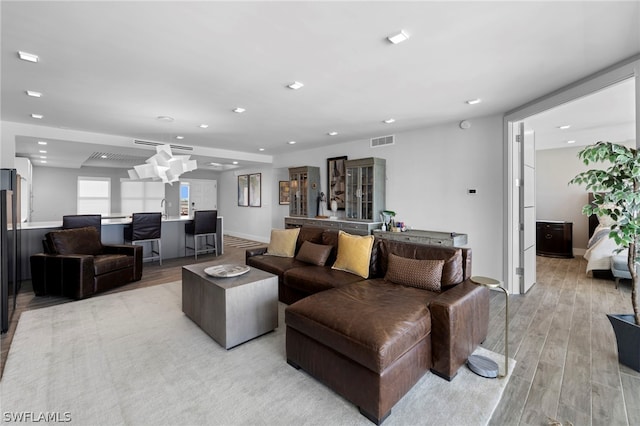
(426, 274)
(283, 242)
(354, 253)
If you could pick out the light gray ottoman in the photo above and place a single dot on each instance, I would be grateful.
(619, 268)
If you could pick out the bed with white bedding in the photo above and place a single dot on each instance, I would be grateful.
(600, 249)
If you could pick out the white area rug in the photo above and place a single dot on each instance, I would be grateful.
(134, 358)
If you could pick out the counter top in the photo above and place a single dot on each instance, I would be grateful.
(105, 222)
(328, 219)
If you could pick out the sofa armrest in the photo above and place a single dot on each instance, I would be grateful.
(254, 252)
(129, 250)
(459, 323)
(63, 275)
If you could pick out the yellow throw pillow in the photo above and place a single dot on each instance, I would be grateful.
(354, 253)
(283, 242)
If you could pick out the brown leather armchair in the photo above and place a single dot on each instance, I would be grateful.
(78, 265)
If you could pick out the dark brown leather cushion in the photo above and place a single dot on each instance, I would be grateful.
(424, 274)
(312, 279)
(274, 264)
(75, 241)
(371, 322)
(104, 263)
(315, 254)
(309, 233)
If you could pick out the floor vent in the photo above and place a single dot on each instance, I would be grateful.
(383, 140)
(149, 143)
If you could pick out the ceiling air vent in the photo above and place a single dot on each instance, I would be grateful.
(149, 143)
(116, 157)
(383, 140)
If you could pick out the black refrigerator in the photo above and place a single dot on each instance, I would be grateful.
(9, 245)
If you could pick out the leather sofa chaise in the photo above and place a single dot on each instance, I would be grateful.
(78, 265)
(371, 340)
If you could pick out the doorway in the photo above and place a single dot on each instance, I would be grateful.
(518, 226)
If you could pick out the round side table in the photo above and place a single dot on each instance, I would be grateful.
(481, 365)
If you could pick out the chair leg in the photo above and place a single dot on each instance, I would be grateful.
(617, 281)
(195, 245)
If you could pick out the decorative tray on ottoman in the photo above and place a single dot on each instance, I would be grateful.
(224, 271)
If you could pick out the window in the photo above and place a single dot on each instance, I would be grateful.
(94, 195)
(184, 198)
(141, 196)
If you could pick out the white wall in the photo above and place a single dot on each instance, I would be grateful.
(555, 198)
(253, 223)
(55, 190)
(428, 174)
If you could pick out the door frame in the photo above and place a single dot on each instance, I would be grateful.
(629, 68)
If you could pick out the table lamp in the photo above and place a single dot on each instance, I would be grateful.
(481, 365)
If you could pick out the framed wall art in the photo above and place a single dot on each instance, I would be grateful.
(336, 181)
(243, 190)
(283, 191)
(255, 190)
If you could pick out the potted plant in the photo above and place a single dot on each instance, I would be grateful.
(617, 194)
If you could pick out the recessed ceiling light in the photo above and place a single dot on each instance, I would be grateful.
(239, 110)
(216, 164)
(34, 94)
(103, 156)
(390, 120)
(572, 141)
(204, 126)
(42, 143)
(295, 85)
(43, 161)
(564, 127)
(43, 156)
(180, 137)
(28, 56)
(165, 118)
(38, 116)
(291, 142)
(260, 149)
(398, 38)
(474, 101)
(43, 151)
(332, 133)
(235, 162)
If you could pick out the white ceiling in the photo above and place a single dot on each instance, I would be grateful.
(607, 115)
(114, 67)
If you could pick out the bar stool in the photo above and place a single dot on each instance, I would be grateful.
(81, 220)
(72, 221)
(146, 228)
(204, 224)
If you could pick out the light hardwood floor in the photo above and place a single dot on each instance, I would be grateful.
(567, 367)
(153, 274)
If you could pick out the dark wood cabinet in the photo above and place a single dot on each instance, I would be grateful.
(554, 239)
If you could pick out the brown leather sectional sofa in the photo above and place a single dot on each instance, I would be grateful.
(372, 340)
(77, 264)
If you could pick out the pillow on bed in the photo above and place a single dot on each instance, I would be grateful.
(605, 220)
(598, 234)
